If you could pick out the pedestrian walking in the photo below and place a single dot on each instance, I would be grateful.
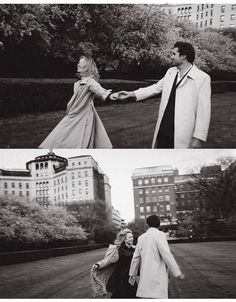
(153, 258)
(112, 273)
(82, 127)
(185, 108)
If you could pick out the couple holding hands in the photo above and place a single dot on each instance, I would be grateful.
(184, 111)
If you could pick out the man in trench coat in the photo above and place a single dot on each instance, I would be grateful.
(185, 108)
(153, 257)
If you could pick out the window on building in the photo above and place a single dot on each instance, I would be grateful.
(233, 7)
(20, 193)
(201, 24)
(197, 16)
(86, 192)
(159, 180)
(140, 199)
(161, 207)
(232, 17)
(201, 15)
(73, 192)
(167, 207)
(205, 22)
(73, 184)
(37, 166)
(211, 13)
(79, 183)
(202, 6)
(147, 199)
(58, 181)
(154, 208)
(148, 209)
(142, 216)
(161, 198)
(140, 182)
(206, 13)
(140, 192)
(73, 164)
(212, 5)
(154, 198)
(222, 8)
(79, 174)
(146, 191)
(153, 191)
(166, 179)
(186, 10)
(86, 183)
(41, 166)
(5, 192)
(153, 181)
(222, 17)
(13, 192)
(80, 191)
(46, 165)
(27, 185)
(231, 25)
(146, 181)
(5, 185)
(167, 198)
(181, 195)
(13, 185)
(166, 189)
(198, 8)
(141, 209)
(85, 173)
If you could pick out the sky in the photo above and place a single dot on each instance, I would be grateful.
(118, 165)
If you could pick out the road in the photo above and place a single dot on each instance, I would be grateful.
(210, 270)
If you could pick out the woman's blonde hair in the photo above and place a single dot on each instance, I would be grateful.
(91, 69)
(120, 237)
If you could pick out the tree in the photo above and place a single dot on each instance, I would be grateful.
(27, 222)
(217, 193)
(138, 227)
(92, 216)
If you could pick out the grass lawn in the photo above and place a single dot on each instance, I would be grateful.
(129, 125)
(209, 269)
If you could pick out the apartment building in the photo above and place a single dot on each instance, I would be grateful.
(204, 15)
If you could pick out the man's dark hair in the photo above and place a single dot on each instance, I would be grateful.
(153, 221)
(186, 49)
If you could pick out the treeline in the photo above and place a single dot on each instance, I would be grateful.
(27, 225)
(132, 40)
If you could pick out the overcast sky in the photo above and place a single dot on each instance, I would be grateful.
(119, 164)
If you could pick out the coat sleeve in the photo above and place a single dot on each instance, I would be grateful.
(167, 256)
(98, 90)
(111, 256)
(135, 263)
(203, 113)
(147, 92)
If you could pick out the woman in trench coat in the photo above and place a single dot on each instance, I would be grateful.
(81, 127)
(112, 273)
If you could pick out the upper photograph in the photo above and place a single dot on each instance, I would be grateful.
(86, 76)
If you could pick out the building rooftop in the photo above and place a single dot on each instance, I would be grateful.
(19, 172)
(158, 170)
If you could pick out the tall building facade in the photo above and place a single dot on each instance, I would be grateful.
(53, 180)
(154, 192)
(204, 15)
(163, 191)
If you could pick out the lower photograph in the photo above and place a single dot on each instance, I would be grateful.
(127, 223)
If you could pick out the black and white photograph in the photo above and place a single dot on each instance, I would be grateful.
(117, 75)
(117, 150)
(117, 223)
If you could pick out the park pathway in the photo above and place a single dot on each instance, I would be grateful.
(210, 270)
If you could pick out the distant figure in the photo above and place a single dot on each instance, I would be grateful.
(112, 273)
(153, 257)
(185, 108)
(82, 127)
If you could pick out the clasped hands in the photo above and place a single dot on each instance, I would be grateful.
(122, 95)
